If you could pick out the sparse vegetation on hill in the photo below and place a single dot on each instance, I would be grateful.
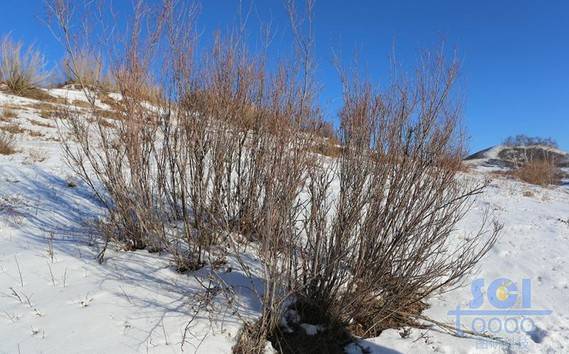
(539, 172)
(534, 163)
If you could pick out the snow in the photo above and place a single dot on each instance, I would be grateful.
(311, 329)
(55, 297)
(490, 160)
(75, 95)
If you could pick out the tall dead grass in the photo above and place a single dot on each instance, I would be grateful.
(21, 69)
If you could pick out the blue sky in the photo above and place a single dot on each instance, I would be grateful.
(515, 54)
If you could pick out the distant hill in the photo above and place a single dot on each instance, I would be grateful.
(505, 156)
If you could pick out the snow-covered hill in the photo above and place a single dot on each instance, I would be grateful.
(505, 156)
(56, 298)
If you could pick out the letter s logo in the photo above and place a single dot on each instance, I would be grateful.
(477, 294)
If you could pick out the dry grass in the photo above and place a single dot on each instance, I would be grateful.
(12, 129)
(47, 114)
(81, 104)
(102, 122)
(38, 94)
(46, 110)
(113, 114)
(327, 148)
(22, 71)
(36, 156)
(539, 172)
(528, 194)
(34, 133)
(108, 100)
(7, 115)
(41, 124)
(15, 129)
(83, 68)
(6, 144)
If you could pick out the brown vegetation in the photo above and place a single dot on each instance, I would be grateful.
(41, 124)
(541, 172)
(22, 71)
(6, 144)
(12, 129)
(225, 157)
(7, 114)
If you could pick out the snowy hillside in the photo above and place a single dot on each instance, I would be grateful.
(504, 156)
(56, 298)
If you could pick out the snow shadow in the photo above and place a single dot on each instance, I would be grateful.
(49, 210)
(367, 347)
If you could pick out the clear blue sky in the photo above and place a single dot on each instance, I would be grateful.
(515, 54)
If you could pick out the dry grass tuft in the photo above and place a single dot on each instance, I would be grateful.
(22, 71)
(80, 104)
(34, 133)
(12, 129)
(41, 124)
(7, 115)
(38, 94)
(6, 144)
(528, 194)
(46, 114)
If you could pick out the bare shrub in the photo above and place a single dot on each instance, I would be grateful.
(21, 70)
(389, 243)
(371, 255)
(227, 151)
(6, 143)
(117, 161)
(541, 172)
(177, 174)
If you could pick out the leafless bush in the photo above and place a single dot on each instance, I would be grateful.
(227, 150)
(371, 255)
(118, 161)
(20, 69)
(6, 143)
(199, 164)
(389, 244)
(541, 172)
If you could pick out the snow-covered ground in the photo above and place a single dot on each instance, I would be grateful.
(56, 298)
